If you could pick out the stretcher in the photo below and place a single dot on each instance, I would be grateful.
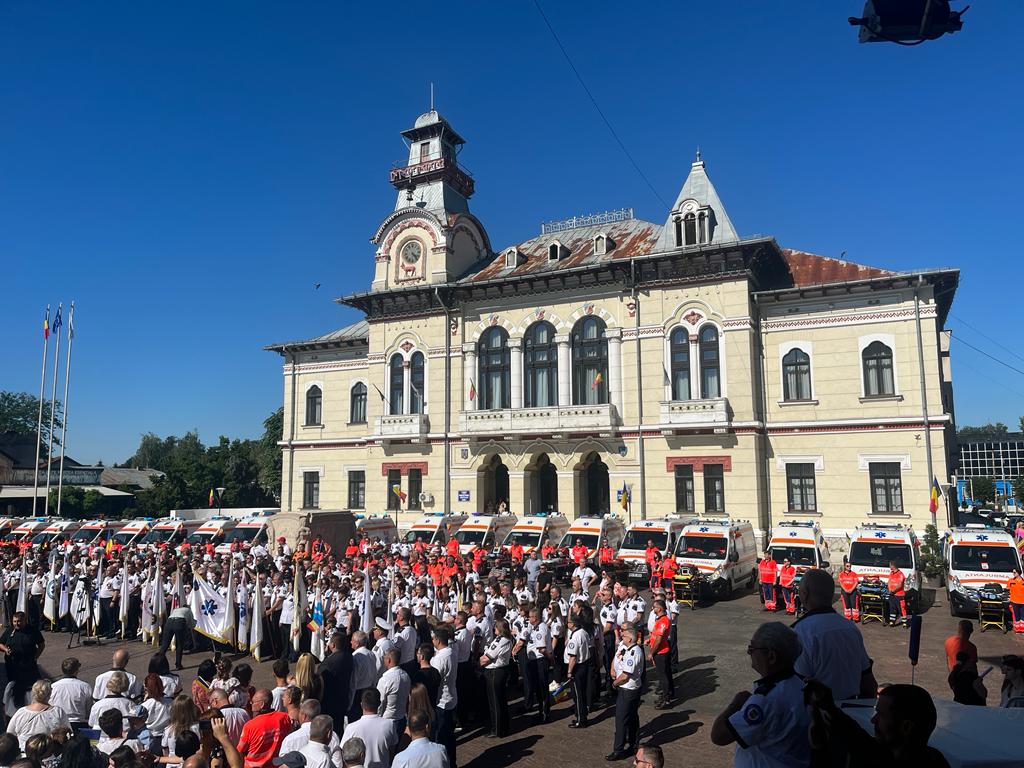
(992, 604)
(872, 598)
(687, 584)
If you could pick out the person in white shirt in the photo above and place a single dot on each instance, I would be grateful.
(117, 686)
(71, 695)
(405, 640)
(157, 705)
(234, 717)
(318, 750)
(38, 716)
(378, 735)
(447, 697)
(309, 710)
(586, 575)
(381, 643)
(112, 734)
(495, 660)
(394, 686)
(421, 752)
(535, 638)
(365, 672)
(627, 671)
(579, 658)
(120, 664)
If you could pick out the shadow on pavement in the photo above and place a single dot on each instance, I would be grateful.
(669, 726)
(504, 753)
(695, 683)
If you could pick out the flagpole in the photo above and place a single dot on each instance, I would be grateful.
(53, 410)
(39, 423)
(64, 421)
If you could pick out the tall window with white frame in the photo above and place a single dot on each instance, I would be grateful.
(417, 387)
(690, 229)
(394, 480)
(710, 363)
(357, 404)
(357, 489)
(679, 360)
(589, 362)
(796, 375)
(714, 488)
(541, 365)
(396, 385)
(800, 491)
(495, 369)
(685, 502)
(878, 376)
(886, 488)
(311, 490)
(314, 406)
(415, 483)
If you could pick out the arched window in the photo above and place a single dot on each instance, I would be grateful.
(541, 369)
(679, 353)
(589, 362)
(314, 406)
(679, 230)
(357, 404)
(878, 379)
(396, 385)
(690, 227)
(702, 228)
(495, 363)
(796, 375)
(710, 363)
(417, 393)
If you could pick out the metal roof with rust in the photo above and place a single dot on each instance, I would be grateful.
(811, 269)
(628, 239)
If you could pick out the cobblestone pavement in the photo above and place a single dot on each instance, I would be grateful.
(714, 665)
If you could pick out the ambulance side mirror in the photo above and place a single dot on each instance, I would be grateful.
(825, 565)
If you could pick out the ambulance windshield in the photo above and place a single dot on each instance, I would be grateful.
(795, 555)
(878, 554)
(702, 547)
(974, 558)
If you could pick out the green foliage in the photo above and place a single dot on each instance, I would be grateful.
(932, 563)
(81, 504)
(985, 429)
(19, 412)
(983, 489)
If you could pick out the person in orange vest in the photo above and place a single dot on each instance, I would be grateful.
(848, 581)
(516, 551)
(606, 553)
(787, 575)
(650, 555)
(1016, 587)
(655, 568)
(668, 573)
(768, 571)
(896, 583)
(453, 547)
(579, 552)
(321, 548)
(547, 550)
(352, 549)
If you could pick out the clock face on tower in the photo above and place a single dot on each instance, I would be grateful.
(411, 252)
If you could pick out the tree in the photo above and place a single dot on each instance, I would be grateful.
(19, 412)
(983, 431)
(984, 489)
(269, 453)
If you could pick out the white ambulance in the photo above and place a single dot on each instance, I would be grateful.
(874, 545)
(248, 531)
(485, 530)
(133, 532)
(380, 526)
(6, 526)
(591, 531)
(169, 532)
(534, 531)
(977, 555)
(434, 529)
(212, 531)
(25, 530)
(663, 533)
(56, 531)
(724, 551)
(801, 542)
(92, 531)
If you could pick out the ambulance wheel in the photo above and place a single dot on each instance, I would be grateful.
(952, 609)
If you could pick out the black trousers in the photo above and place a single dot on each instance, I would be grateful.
(627, 720)
(463, 686)
(445, 725)
(497, 699)
(663, 663)
(106, 626)
(178, 630)
(609, 654)
(284, 648)
(522, 662)
(581, 689)
(558, 653)
(540, 682)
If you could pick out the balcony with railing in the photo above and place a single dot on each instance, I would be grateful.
(402, 426)
(708, 413)
(555, 419)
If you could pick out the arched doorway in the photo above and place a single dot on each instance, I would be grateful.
(494, 483)
(542, 490)
(595, 474)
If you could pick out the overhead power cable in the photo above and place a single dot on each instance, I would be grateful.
(990, 357)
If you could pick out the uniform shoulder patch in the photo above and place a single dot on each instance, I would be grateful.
(753, 714)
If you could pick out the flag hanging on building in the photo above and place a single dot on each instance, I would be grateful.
(397, 490)
(472, 390)
(625, 497)
(209, 608)
(597, 380)
(256, 625)
(933, 504)
(242, 638)
(50, 601)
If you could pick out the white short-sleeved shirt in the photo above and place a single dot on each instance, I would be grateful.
(833, 652)
(499, 652)
(578, 645)
(609, 615)
(771, 726)
(629, 661)
(537, 640)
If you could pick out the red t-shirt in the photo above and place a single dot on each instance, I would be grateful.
(261, 738)
(659, 637)
(955, 645)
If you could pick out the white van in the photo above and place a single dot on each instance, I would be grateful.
(56, 531)
(92, 531)
(874, 545)
(975, 556)
(212, 531)
(592, 531)
(27, 529)
(663, 533)
(380, 526)
(133, 532)
(434, 529)
(534, 531)
(802, 543)
(485, 530)
(248, 531)
(724, 551)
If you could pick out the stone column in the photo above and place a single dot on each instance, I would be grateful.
(694, 367)
(564, 375)
(518, 504)
(568, 494)
(515, 347)
(469, 375)
(614, 337)
(406, 388)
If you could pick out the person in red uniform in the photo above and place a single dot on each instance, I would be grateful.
(352, 549)
(478, 557)
(261, 736)
(654, 566)
(420, 545)
(1016, 588)
(650, 554)
(547, 550)
(606, 554)
(787, 575)
(848, 581)
(579, 552)
(658, 653)
(516, 552)
(896, 583)
(768, 572)
(669, 567)
(321, 548)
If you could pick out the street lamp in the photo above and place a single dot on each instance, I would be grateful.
(220, 498)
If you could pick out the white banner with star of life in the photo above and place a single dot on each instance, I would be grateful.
(210, 609)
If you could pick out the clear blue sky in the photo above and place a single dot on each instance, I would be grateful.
(187, 171)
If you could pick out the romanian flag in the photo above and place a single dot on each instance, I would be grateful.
(625, 497)
(211, 497)
(472, 390)
(46, 324)
(397, 490)
(933, 504)
(597, 380)
(110, 546)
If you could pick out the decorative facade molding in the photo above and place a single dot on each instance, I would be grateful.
(403, 467)
(817, 461)
(859, 318)
(864, 460)
(697, 462)
(329, 367)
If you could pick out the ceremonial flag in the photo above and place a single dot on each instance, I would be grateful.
(123, 599)
(46, 324)
(397, 490)
(80, 604)
(50, 601)
(301, 606)
(146, 624)
(242, 637)
(178, 595)
(228, 628)
(597, 380)
(22, 604)
(933, 505)
(64, 606)
(256, 625)
(158, 599)
(316, 626)
(57, 321)
(109, 546)
(209, 608)
(96, 594)
(625, 497)
(366, 617)
(472, 390)
(211, 497)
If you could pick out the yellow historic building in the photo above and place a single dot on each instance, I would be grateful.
(701, 371)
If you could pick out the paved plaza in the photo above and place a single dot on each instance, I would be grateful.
(714, 665)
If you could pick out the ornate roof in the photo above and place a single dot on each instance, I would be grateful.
(812, 269)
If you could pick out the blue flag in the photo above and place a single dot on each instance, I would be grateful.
(57, 322)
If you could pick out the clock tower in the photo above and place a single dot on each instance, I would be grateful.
(430, 236)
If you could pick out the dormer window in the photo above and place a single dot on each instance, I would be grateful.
(689, 229)
(424, 151)
(679, 230)
(513, 258)
(702, 227)
(602, 244)
(555, 251)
